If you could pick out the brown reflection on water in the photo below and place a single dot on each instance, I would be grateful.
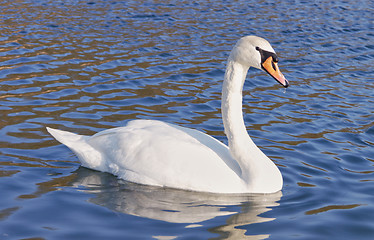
(49, 186)
(5, 213)
(332, 207)
(8, 173)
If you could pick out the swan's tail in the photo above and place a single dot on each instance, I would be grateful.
(87, 155)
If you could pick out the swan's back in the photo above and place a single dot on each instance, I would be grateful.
(158, 153)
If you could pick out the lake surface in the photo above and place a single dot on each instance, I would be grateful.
(86, 66)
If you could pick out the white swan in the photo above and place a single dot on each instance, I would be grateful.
(162, 154)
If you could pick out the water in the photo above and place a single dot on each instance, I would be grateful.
(88, 66)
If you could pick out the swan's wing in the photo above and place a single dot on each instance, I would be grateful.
(157, 153)
(218, 147)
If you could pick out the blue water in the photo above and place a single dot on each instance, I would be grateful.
(86, 66)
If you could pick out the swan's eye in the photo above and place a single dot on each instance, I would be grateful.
(275, 58)
(265, 55)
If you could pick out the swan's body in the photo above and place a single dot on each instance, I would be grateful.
(157, 153)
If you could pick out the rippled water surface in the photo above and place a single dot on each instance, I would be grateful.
(88, 66)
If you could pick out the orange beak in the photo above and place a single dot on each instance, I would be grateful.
(271, 67)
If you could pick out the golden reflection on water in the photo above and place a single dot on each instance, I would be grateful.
(88, 67)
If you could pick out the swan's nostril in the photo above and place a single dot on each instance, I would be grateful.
(273, 65)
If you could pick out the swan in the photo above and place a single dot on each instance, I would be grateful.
(157, 153)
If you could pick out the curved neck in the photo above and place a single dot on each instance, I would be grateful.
(256, 167)
(232, 97)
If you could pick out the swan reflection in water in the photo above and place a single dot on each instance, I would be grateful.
(177, 206)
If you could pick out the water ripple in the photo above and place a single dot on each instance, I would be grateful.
(89, 66)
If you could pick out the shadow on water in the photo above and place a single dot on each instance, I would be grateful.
(177, 206)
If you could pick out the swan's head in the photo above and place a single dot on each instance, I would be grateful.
(252, 51)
